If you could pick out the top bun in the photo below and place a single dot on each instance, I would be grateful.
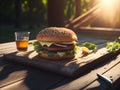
(56, 34)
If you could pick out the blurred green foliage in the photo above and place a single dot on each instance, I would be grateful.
(7, 32)
(39, 16)
(70, 8)
(7, 11)
(39, 10)
(35, 11)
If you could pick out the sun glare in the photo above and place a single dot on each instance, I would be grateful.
(110, 11)
(108, 3)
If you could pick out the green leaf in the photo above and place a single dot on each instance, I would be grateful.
(90, 45)
(113, 46)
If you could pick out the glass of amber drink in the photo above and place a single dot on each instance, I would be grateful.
(22, 39)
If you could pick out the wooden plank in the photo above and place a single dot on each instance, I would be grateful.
(86, 16)
(113, 74)
(24, 86)
(21, 84)
(90, 77)
(9, 48)
(6, 44)
(29, 79)
(110, 33)
(11, 45)
(46, 75)
(12, 48)
(65, 67)
(11, 73)
(15, 86)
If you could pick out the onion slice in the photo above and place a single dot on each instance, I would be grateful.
(60, 45)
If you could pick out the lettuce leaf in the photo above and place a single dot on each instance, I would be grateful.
(51, 53)
(90, 46)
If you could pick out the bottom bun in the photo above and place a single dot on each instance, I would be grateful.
(56, 57)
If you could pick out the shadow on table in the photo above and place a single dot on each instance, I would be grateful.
(36, 79)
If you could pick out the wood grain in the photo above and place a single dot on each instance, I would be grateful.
(39, 79)
(89, 80)
(68, 67)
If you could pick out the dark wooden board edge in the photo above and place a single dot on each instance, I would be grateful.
(26, 61)
(89, 66)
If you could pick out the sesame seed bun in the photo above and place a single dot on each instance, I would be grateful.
(63, 43)
(56, 34)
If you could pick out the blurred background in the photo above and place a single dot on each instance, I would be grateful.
(34, 15)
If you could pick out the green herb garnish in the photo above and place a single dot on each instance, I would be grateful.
(90, 45)
(113, 46)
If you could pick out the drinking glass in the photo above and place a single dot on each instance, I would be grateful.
(22, 39)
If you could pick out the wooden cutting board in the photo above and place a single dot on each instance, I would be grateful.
(68, 67)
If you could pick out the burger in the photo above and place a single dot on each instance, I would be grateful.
(56, 43)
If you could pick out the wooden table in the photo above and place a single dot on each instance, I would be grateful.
(15, 76)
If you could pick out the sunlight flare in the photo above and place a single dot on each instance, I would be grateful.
(110, 11)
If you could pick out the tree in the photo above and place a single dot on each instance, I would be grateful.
(78, 7)
(30, 14)
(17, 13)
(55, 12)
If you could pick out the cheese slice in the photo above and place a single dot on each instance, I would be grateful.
(46, 43)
